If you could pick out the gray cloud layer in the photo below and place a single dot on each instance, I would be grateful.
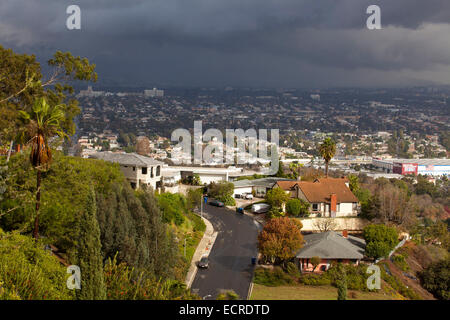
(294, 43)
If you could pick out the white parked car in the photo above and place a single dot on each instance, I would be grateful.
(260, 208)
(247, 196)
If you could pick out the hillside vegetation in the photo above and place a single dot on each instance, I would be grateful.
(136, 238)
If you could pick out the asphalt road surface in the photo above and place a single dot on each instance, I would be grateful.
(230, 265)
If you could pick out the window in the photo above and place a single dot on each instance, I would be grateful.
(144, 170)
(315, 207)
(151, 172)
(158, 171)
(134, 168)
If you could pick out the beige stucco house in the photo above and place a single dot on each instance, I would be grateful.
(139, 170)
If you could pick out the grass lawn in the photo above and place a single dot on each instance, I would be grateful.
(302, 292)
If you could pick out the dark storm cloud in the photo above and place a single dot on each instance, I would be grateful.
(241, 42)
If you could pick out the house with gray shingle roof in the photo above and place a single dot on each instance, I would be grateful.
(139, 170)
(330, 246)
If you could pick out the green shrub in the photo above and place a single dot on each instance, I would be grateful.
(292, 270)
(173, 207)
(222, 191)
(124, 283)
(272, 278)
(380, 240)
(314, 279)
(28, 272)
(274, 212)
(356, 277)
(199, 225)
(400, 262)
(229, 295)
(227, 200)
(297, 207)
(436, 279)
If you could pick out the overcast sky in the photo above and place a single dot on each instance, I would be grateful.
(271, 43)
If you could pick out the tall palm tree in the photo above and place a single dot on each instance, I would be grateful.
(43, 122)
(327, 150)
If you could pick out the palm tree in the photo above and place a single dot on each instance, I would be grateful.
(43, 122)
(327, 150)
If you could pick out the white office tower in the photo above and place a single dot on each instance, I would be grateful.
(154, 93)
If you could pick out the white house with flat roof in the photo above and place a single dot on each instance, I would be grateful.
(139, 170)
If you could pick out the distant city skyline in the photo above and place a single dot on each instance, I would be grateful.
(272, 44)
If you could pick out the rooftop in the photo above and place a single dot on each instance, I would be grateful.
(128, 159)
(331, 245)
(321, 189)
(263, 182)
(421, 162)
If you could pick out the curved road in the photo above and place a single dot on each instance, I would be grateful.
(230, 265)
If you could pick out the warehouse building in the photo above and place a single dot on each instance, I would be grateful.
(430, 167)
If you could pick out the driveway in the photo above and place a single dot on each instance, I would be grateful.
(230, 258)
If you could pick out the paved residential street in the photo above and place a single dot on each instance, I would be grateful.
(230, 258)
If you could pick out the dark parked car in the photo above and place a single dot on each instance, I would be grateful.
(203, 263)
(216, 203)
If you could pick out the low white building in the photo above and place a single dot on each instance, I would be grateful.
(139, 170)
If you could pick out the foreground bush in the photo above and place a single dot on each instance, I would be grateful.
(229, 295)
(125, 283)
(29, 272)
(272, 278)
(436, 279)
(356, 277)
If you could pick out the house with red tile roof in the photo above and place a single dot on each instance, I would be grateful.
(329, 197)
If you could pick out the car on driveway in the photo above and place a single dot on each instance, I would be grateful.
(247, 196)
(203, 263)
(216, 203)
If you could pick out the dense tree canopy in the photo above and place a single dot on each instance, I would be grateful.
(380, 240)
(280, 239)
(436, 279)
(222, 191)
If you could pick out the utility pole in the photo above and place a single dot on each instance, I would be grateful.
(201, 207)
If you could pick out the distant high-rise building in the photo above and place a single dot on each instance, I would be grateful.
(154, 93)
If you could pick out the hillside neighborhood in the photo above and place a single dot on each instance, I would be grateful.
(98, 203)
(333, 225)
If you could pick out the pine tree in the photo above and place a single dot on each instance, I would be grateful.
(88, 256)
(341, 282)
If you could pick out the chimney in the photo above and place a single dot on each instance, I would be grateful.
(345, 233)
(333, 205)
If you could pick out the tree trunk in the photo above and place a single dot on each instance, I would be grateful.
(9, 151)
(326, 169)
(38, 202)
